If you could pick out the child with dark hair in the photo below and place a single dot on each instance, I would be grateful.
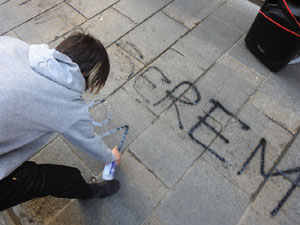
(41, 93)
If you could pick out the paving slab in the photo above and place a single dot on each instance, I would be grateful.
(241, 53)
(139, 193)
(242, 143)
(41, 210)
(139, 10)
(238, 13)
(202, 195)
(92, 7)
(165, 150)
(24, 10)
(279, 96)
(208, 41)
(230, 84)
(171, 71)
(108, 26)
(268, 199)
(192, 12)
(125, 111)
(152, 37)
(123, 67)
(50, 25)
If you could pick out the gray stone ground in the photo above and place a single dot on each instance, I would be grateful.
(169, 177)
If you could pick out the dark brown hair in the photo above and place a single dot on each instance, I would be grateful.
(91, 57)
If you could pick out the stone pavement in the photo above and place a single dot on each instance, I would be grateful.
(214, 135)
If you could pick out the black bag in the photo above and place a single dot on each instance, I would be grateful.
(274, 37)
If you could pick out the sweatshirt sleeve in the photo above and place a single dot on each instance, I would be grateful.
(82, 135)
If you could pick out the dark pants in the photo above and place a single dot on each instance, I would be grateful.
(33, 180)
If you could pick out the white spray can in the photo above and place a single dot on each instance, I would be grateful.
(109, 171)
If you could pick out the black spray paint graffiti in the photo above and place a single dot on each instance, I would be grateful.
(164, 79)
(203, 121)
(169, 94)
(262, 145)
(175, 99)
(132, 48)
(289, 192)
(23, 3)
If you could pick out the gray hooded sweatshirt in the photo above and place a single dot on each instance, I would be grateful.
(40, 94)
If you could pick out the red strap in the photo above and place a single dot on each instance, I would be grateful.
(289, 10)
(286, 29)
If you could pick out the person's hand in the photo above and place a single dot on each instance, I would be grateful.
(116, 154)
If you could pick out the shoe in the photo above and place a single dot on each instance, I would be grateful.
(103, 189)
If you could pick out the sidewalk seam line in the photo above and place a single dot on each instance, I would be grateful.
(147, 169)
(32, 18)
(121, 13)
(76, 10)
(4, 2)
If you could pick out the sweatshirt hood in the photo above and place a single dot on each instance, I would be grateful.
(56, 67)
